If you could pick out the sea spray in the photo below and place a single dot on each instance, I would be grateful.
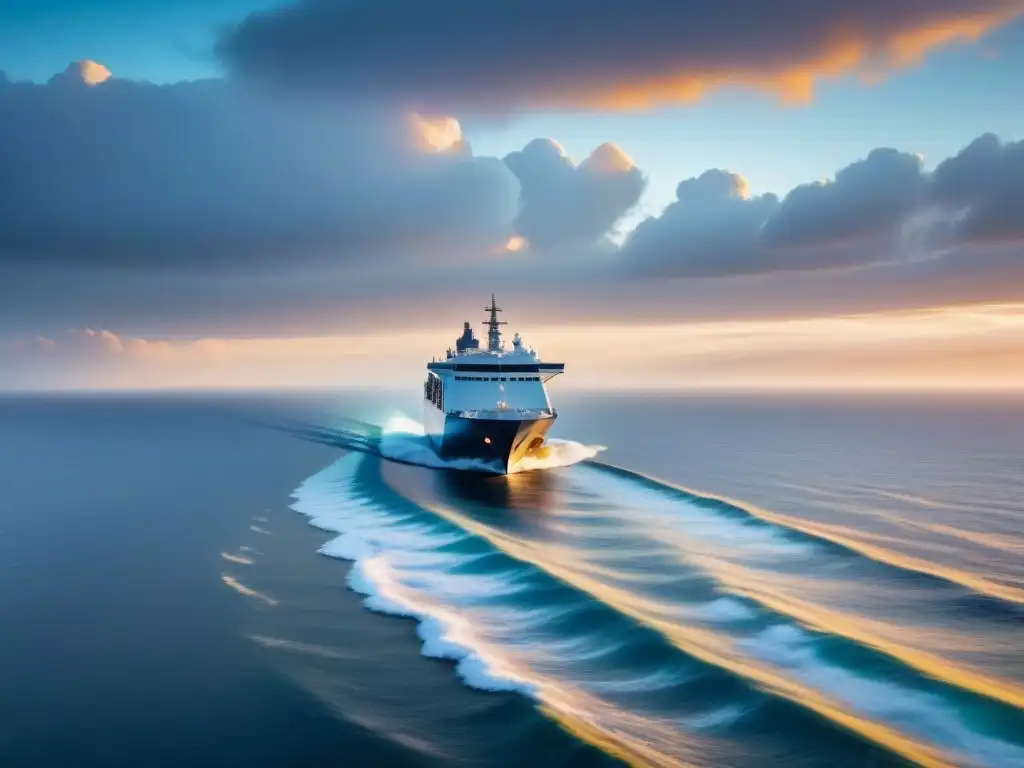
(404, 440)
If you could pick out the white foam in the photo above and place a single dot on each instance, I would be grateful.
(445, 635)
(404, 440)
(559, 453)
(724, 609)
(380, 544)
(693, 522)
(402, 567)
(913, 710)
(348, 547)
(239, 559)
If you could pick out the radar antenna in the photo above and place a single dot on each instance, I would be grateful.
(493, 333)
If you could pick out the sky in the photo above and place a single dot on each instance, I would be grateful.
(769, 193)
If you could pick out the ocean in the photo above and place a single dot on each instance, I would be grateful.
(292, 579)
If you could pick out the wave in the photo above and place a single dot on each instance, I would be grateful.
(903, 565)
(660, 624)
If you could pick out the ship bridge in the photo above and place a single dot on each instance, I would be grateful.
(471, 379)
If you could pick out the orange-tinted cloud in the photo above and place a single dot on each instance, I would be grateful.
(563, 204)
(436, 134)
(90, 72)
(516, 243)
(461, 54)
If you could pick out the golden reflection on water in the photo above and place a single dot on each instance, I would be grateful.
(525, 491)
(707, 646)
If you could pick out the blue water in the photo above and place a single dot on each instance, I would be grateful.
(684, 580)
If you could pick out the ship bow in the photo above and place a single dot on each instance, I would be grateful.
(500, 442)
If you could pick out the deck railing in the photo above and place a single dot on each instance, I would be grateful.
(506, 413)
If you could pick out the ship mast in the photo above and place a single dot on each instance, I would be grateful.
(493, 333)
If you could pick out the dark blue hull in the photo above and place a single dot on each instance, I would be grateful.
(498, 442)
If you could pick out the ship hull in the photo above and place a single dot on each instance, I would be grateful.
(499, 443)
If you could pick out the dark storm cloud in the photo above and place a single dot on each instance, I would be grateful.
(467, 54)
(984, 184)
(563, 204)
(209, 174)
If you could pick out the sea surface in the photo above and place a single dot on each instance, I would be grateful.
(294, 579)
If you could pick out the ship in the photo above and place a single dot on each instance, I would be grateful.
(489, 405)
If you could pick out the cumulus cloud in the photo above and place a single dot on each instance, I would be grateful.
(563, 204)
(983, 187)
(867, 197)
(208, 207)
(98, 170)
(464, 54)
(85, 72)
(884, 208)
(713, 228)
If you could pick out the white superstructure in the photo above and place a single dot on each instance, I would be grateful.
(476, 399)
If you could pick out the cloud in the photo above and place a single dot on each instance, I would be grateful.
(563, 204)
(96, 170)
(868, 197)
(881, 209)
(984, 184)
(210, 176)
(453, 55)
(84, 72)
(209, 208)
(713, 228)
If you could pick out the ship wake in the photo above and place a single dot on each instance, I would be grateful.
(664, 627)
